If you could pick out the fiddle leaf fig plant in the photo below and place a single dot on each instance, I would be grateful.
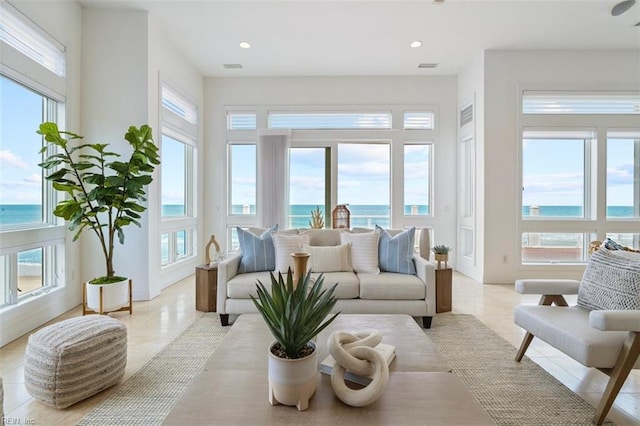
(104, 194)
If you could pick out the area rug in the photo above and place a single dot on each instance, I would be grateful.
(512, 393)
(518, 394)
(148, 396)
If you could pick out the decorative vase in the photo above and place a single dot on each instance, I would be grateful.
(114, 296)
(293, 381)
(300, 261)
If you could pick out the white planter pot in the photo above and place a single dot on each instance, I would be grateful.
(114, 296)
(293, 381)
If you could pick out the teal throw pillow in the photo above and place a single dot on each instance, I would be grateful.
(258, 253)
(395, 254)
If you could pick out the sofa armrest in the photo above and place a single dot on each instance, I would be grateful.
(547, 286)
(426, 271)
(227, 269)
(618, 320)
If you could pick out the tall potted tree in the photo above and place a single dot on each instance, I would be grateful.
(104, 194)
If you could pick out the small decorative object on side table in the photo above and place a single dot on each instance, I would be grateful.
(206, 287)
(443, 290)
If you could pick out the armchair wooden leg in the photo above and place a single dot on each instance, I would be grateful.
(627, 358)
(523, 346)
(550, 299)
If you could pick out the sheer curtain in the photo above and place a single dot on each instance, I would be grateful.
(272, 185)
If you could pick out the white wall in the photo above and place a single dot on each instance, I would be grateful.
(333, 91)
(167, 61)
(507, 73)
(115, 95)
(63, 21)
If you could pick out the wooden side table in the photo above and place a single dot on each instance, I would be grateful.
(206, 287)
(443, 289)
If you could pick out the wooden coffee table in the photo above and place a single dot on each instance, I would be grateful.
(233, 388)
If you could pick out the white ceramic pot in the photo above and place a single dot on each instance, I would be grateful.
(293, 381)
(114, 296)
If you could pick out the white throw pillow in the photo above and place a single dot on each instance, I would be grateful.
(284, 246)
(329, 258)
(364, 251)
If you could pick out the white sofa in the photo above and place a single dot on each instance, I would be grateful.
(357, 292)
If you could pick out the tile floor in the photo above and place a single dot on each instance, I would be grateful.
(156, 322)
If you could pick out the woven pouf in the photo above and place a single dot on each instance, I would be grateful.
(73, 359)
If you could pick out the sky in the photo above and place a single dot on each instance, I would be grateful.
(552, 169)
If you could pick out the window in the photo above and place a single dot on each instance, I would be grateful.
(580, 175)
(417, 179)
(329, 120)
(179, 157)
(241, 121)
(623, 175)
(547, 247)
(242, 175)
(419, 120)
(20, 176)
(554, 174)
(364, 183)
(308, 191)
(20, 33)
(30, 262)
(336, 155)
(174, 154)
(535, 102)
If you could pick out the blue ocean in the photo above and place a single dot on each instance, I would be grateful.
(361, 216)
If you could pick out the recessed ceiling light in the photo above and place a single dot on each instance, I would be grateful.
(232, 66)
(427, 65)
(416, 43)
(245, 44)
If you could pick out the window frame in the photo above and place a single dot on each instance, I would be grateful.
(596, 225)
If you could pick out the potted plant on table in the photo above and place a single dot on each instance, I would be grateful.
(441, 253)
(295, 315)
(104, 195)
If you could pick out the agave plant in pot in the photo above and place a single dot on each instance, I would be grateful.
(295, 315)
(103, 194)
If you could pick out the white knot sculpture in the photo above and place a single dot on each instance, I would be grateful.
(356, 353)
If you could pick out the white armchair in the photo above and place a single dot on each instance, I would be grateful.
(607, 339)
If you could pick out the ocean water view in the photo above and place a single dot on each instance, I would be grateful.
(300, 214)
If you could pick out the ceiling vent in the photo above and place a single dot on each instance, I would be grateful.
(427, 65)
(232, 66)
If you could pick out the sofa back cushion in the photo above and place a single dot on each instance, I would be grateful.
(324, 237)
(395, 253)
(285, 245)
(611, 281)
(329, 258)
(258, 252)
(364, 251)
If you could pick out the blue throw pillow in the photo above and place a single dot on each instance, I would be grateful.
(395, 254)
(258, 253)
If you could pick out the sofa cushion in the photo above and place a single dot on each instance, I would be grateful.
(395, 253)
(568, 330)
(611, 281)
(329, 259)
(284, 246)
(258, 253)
(324, 237)
(364, 251)
(391, 286)
(348, 284)
(240, 286)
